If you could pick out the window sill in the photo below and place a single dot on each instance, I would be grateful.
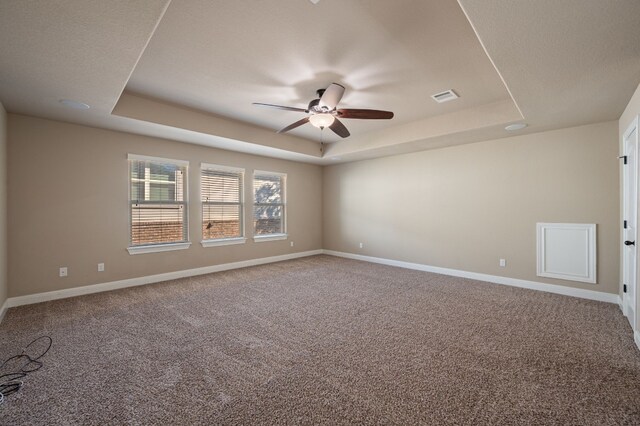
(223, 242)
(269, 237)
(155, 248)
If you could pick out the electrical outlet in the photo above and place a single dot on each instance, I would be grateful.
(503, 263)
(100, 267)
(291, 243)
(361, 245)
(63, 271)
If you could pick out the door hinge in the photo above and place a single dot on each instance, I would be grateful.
(624, 224)
(624, 288)
(624, 158)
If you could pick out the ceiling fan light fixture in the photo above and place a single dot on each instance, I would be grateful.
(322, 112)
(321, 120)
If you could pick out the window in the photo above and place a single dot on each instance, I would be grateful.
(221, 196)
(269, 205)
(157, 204)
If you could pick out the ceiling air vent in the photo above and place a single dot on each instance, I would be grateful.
(447, 95)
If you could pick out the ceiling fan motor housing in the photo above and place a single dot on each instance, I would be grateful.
(313, 106)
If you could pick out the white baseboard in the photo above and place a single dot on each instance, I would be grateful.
(132, 282)
(636, 337)
(620, 303)
(532, 285)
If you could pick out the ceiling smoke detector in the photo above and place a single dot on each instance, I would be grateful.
(447, 95)
(314, 1)
(515, 127)
(74, 104)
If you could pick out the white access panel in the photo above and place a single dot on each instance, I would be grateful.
(567, 251)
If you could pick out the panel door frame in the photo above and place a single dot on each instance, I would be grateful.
(630, 258)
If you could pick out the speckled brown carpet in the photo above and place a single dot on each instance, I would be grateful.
(324, 340)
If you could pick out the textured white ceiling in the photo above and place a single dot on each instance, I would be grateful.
(566, 62)
(191, 68)
(222, 56)
(70, 49)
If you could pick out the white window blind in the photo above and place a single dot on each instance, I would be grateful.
(221, 195)
(269, 203)
(158, 202)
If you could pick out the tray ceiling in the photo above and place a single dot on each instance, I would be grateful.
(190, 69)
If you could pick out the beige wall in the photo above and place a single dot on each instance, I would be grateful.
(462, 207)
(68, 206)
(466, 207)
(3, 206)
(632, 109)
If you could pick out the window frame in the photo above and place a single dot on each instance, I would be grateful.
(159, 247)
(283, 196)
(214, 242)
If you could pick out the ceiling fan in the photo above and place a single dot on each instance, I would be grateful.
(323, 113)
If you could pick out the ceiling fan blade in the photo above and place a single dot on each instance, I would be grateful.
(294, 125)
(367, 114)
(286, 108)
(331, 96)
(339, 129)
